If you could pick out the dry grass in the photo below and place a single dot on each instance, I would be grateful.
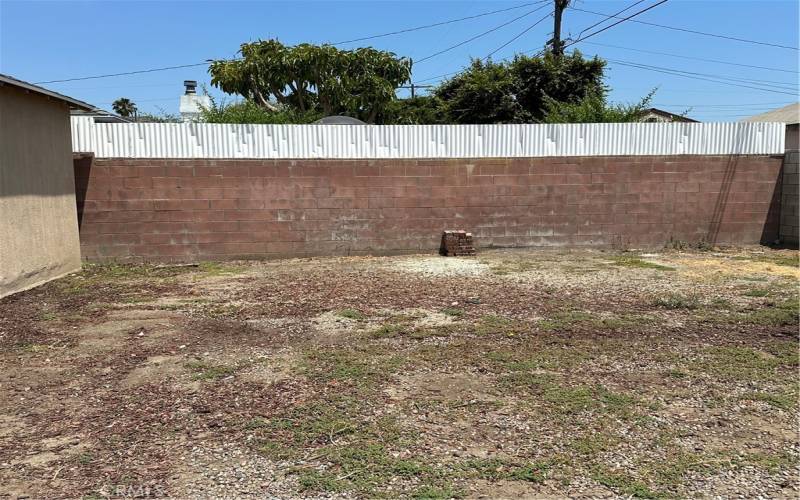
(517, 373)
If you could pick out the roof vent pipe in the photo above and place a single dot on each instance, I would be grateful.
(191, 86)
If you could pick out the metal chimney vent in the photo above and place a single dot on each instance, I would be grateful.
(191, 86)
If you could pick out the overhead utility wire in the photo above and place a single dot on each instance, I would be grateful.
(434, 25)
(152, 70)
(609, 17)
(464, 42)
(685, 75)
(621, 20)
(166, 68)
(734, 105)
(681, 56)
(670, 71)
(696, 32)
(517, 36)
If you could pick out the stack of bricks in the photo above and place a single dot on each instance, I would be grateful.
(455, 243)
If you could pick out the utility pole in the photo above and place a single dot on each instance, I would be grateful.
(558, 9)
(414, 87)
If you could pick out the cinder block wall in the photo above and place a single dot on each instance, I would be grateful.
(790, 199)
(219, 209)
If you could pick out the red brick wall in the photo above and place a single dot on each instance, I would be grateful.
(215, 209)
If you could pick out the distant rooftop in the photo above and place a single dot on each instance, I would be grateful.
(73, 103)
(339, 120)
(788, 114)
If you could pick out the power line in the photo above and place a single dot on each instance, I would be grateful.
(152, 70)
(724, 80)
(690, 57)
(517, 36)
(710, 75)
(621, 20)
(687, 74)
(371, 37)
(442, 23)
(686, 30)
(464, 42)
(733, 105)
(604, 20)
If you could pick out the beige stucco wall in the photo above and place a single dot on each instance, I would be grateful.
(38, 218)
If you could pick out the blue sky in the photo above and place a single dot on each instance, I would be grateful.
(42, 41)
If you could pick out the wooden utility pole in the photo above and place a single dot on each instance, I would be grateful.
(558, 10)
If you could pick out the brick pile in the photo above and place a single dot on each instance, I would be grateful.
(455, 243)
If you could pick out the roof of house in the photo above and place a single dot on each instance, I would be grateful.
(788, 114)
(73, 103)
(100, 115)
(671, 116)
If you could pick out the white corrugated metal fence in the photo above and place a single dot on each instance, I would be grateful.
(208, 140)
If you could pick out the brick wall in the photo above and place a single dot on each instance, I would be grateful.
(790, 199)
(216, 209)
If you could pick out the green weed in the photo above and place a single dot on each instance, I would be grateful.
(453, 311)
(206, 371)
(639, 263)
(353, 314)
(676, 301)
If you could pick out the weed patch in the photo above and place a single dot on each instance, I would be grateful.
(741, 363)
(353, 314)
(453, 312)
(638, 263)
(623, 483)
(571, 319)
(784, 401)
(676, 301)
(499, 325)
(206, 371)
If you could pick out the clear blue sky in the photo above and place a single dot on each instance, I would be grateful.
(42, 41)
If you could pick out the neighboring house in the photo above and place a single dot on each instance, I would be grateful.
(655, 115)
(192, 105)
(790, 115)
(38, 219)
(100, 115)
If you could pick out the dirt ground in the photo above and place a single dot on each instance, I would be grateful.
(513, 374)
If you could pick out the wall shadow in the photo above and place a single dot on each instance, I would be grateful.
(82, 167)
(722, 200)
(771, 233)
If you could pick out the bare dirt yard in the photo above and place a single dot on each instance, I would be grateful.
(514, 374)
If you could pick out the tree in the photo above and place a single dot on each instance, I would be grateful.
(161, 116)
(483, 93)
(124, 107)
(309, 78)
(419, 110)
(594, 108)
(566, 78)
(247, 111)
(516, 91)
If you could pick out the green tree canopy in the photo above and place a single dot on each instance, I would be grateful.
(309, 78)
(568, 78)
(419, 110)
(124, 107)
(594, 108)
(518, 91)
(483, 93)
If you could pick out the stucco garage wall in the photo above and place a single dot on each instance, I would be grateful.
(38, 221)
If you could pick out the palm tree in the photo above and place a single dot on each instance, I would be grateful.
(124, 107)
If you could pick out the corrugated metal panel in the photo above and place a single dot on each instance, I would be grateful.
(207, 140)
(83, 134)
